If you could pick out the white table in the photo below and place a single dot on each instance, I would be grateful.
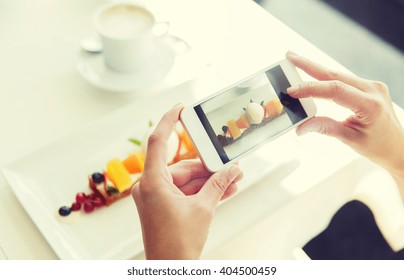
(44, 99)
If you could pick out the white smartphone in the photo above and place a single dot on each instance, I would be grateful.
(231, 123)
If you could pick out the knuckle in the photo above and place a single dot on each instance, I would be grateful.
(332, 74)
(375, 105)
(135, 192)
(154, 139)
(219, 184)
(141, 188)
(323, 129)
(308, 86)
(337, 87)
(380, 86)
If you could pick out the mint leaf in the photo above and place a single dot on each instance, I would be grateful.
(135, 141)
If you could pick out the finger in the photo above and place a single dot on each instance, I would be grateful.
(156, 155)
(188, 170)
(322, 73)
(230, 191)
(193, 186)
(134, 192)
(341, 93)
(330, 127)
(217, 184)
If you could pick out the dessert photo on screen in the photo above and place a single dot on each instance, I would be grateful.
(250, 113)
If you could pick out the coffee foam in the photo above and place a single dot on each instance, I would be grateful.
(125, 21)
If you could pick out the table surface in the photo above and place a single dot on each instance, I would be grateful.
(45, 99)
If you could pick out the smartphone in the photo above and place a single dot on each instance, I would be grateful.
(237, 120)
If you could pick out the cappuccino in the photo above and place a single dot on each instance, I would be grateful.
(125, 21)
(127, 36)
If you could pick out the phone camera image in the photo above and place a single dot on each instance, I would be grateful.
(249, 114)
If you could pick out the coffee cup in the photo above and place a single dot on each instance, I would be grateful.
(127, 32)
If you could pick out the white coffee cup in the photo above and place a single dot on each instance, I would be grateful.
(127, 34)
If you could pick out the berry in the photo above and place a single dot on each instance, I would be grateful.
(97, 202)
(65, 211)
(91, 197)
(80, 197)
(88, 207)
(97, 177)
(225, 128)
(76, 206)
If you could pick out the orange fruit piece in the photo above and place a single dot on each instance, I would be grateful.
(274, 107)
(118, 174)
(233, 128)
(134, 163)
(243, 122)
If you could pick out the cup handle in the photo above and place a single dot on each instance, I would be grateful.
(179, 45)
(161, 28)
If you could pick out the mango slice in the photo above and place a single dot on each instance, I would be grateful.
(118, 174)
(233, 128)
(243, 122)
(134, 163)
(274, 107)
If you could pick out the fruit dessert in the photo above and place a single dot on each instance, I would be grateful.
(116, 181)
(255, 115)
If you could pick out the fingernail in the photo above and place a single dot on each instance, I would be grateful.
(301, 132)
(292, 90)
(305, 130)
(234, 172)
(292, 54)
(177, 105)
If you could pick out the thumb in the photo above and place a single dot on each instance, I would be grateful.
(215, 187)
(327, 126)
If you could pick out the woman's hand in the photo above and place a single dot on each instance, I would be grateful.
(373, 130)
(176, 204)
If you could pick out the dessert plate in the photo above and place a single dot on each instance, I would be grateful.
(50, 178)
(166, 56)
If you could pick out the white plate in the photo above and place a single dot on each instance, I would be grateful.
(166, 59)
(51, 177)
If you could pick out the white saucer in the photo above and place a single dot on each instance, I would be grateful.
(93, 69)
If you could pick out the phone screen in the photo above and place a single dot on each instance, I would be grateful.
(244, 116)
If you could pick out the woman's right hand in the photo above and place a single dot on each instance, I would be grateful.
(176, 204)
(373, 130)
